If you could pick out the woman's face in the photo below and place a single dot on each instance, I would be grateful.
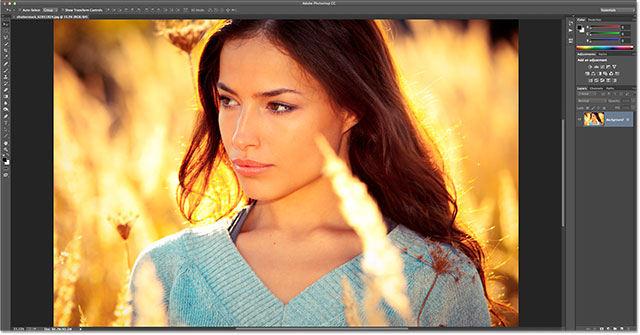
(270, 112)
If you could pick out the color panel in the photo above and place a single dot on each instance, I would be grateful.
(604, 47)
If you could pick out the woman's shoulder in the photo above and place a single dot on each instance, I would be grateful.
(161, 262)
(453, 278)
(171, 252)
(428, 255)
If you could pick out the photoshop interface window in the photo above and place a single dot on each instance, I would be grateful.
(127, 127)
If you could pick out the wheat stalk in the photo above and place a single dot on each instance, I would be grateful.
(381, 259)
(350, 304)
(83, 319)
(123, 308)
(148, 300)
(65, 294)
(372, 296)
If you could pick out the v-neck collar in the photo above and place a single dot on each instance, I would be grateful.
(250, 301)
(239, 219)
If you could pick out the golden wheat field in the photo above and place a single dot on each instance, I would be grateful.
(124, 108)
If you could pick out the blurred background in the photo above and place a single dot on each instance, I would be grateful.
(124, 109)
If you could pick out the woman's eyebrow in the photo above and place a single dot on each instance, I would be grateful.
(275, 92)
(272, 93)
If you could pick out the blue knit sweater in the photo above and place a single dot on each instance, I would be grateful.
(207, 282)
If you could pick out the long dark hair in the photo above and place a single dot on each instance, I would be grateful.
(388, 151)
(599, 117)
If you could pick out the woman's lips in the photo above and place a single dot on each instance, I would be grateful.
(249, 168)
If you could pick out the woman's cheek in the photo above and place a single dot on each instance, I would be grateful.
(297, 153)
(225, 128)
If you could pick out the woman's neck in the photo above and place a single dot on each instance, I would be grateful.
(311, 208)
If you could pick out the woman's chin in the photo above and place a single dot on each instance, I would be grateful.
(257, 190)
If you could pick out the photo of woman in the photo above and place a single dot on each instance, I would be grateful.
(593, 119)
(264, 107)
(269, 242)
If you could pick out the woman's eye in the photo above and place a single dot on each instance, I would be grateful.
(227, 102)
(279, 108)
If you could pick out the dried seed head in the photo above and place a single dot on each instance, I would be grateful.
(184, 34)
(443, 262)
(123, 223)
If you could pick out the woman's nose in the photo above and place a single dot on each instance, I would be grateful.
(246, 133)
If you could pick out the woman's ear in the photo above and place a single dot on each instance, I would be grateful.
(349, 120)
